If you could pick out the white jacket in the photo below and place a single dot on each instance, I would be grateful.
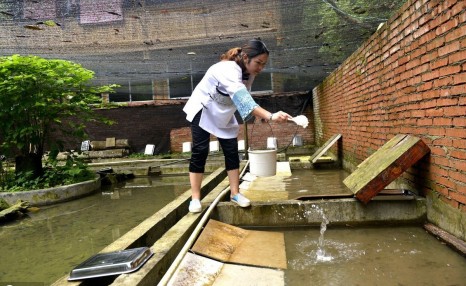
(219, 94)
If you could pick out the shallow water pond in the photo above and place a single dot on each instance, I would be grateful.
(371, 256)
(49, 243)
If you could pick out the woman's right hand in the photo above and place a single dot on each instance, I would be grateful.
(280, 116)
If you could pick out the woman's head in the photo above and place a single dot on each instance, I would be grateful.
(251, 57)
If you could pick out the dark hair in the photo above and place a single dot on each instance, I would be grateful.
(254, 48)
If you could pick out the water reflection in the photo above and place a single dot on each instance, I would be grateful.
(48, 244)
(372, 256)
(316, 182)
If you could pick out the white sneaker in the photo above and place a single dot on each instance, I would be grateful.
(195, 206)
(241, 200)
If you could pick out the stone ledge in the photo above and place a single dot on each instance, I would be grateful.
(53, 195)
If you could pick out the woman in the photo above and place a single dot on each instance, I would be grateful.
(211, 107)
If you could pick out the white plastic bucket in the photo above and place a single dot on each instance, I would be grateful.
(263, 163)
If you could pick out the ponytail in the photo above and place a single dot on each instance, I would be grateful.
(231, 55)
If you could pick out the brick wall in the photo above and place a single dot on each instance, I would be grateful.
(163, 124)
(409, 77)
(259, 131)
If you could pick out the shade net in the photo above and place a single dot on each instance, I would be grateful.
(135, 43)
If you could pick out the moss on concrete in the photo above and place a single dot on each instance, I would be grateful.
(445, 216)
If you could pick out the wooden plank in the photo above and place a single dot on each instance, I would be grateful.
(110, 142)
(261, 248)
(228, 243)
(387, 146)
(324, 148)
(219, 240)
(448, 238)
(385, 165)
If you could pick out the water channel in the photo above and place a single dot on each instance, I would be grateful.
(47, 245)
(382, 255)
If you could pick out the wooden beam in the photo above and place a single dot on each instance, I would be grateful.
(324, 148)
(385, 165)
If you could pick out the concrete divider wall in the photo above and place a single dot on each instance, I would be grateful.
(408, 78)
(53, 195)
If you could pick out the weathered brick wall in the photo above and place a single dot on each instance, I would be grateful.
(163, 124)
(259, 130)
(409, 77)
(141, 124)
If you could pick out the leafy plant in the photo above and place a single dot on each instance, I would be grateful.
(40, 100)
(56, 173)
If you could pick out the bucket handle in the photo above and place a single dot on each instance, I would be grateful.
(252, 131)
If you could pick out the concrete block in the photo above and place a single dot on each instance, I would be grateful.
(214, 146)
(272, 143)
(187, 147)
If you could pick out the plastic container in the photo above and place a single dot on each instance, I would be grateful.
(263, 163)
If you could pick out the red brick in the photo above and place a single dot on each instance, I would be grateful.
(431, 75)
(458, 8)
(447, 102)
(440, 23)
(442, 82)
(427, 104)
(447, 26)
(458, 176)
(435, 43)
(424, 122)
(457, 57)
(440, 121)
(450, 202)
(455, 132)
(459, 121)
(436, 131)
(445, 181)
(440, 171)
(448, 70)
(458, 154)
(448, 49)
(454, 111)
(459, 143)
(463, 43)
(459, 197)
(434, 112)
(454, 90)
(459, 78)
(435, 62)
(461, 188)
(455, 34)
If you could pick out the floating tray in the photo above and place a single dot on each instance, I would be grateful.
(111, 263)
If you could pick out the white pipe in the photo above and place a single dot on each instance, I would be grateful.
(171, 270)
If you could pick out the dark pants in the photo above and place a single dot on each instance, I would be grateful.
(200, 150)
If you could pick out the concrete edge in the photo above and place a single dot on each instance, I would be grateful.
(53, 195)
(289, 213)
(166, 249)
(152, 229)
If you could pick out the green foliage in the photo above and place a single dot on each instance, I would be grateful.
(42, 100)
(39, 97)
(74, 170)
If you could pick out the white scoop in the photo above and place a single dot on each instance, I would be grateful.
(301, 120)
